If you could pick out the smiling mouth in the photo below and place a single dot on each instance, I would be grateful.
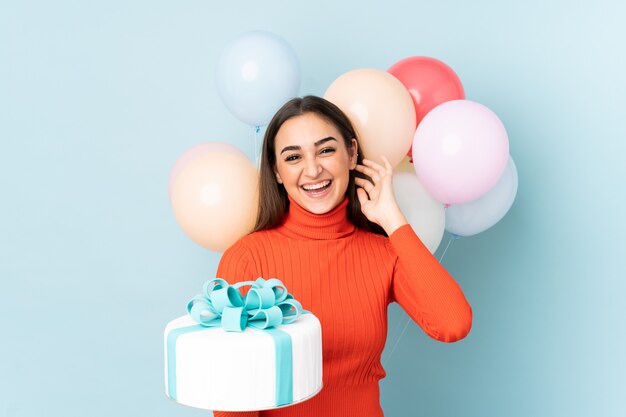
(317, 188)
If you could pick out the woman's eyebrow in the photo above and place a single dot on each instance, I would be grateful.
(297, 148)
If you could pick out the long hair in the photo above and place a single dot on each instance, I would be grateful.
(273, 200)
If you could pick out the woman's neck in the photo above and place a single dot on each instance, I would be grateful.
(302, 224)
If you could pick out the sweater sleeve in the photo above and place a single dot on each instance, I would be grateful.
(426, 291)
(236, 265)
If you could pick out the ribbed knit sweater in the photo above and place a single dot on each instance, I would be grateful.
(347, 277)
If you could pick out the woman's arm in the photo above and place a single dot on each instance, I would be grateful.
(426, 291)
(420, 284)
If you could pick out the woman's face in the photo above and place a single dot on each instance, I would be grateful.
(313, 163)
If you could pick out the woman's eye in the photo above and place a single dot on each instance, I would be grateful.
(327, 150)
(291, 158)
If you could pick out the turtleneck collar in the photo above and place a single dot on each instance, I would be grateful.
(302, 224)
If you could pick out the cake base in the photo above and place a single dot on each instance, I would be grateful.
(212, 369)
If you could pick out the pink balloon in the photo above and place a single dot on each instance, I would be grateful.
(460, 150)
(196, 151)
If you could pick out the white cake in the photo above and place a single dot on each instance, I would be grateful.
(214, 369)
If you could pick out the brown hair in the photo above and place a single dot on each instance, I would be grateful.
(273, 200)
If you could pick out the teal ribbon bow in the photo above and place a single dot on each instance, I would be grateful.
(267, 304)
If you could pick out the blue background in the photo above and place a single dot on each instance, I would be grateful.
(98, 99)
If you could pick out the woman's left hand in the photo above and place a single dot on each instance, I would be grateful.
(378, 202)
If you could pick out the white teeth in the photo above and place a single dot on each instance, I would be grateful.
(316, 186)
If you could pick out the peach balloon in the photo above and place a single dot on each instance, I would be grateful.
(381, 110)
(195, 151)
(215, 199)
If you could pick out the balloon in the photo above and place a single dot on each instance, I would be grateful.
(256, 74)
(380, 109)
(460, 150)
(429, 81)
(196, 151)
(215, 199)
(479, 215)
(425, 214)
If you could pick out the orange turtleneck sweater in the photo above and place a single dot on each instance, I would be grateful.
(347, 277)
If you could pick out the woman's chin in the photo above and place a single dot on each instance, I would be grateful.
(318, 204)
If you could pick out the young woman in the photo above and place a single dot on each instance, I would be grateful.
(330, 229)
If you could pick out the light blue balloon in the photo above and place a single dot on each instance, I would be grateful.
(479, 215)
(256, 74)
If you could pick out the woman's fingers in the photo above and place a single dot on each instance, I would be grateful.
(368, 187)
(369, 172)
(385, 171)
(362, 195)
(365, 184)
(374, 170)
(387, 164)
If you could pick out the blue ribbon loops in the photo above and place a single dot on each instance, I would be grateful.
(267, 304)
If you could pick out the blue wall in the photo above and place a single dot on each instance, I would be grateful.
(98, 99)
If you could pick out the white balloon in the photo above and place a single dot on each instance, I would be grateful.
(479, 215)
(425, 214)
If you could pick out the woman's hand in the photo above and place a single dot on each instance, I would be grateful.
(378, 202)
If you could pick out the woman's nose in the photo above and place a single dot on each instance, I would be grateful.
(312, 167)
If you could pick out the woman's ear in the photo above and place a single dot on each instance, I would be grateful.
(280, 181)
(355, 154)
